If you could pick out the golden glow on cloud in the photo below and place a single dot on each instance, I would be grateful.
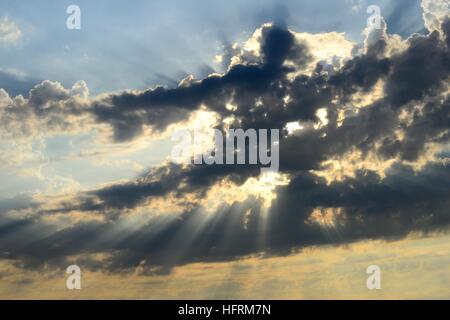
(410, 269)
(364, 99)
(331, 47)
(339, 168)
(262, 188)
(326, 217)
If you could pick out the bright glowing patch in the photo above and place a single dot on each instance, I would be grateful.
(262, 187)
(340, 168)
(291, 127)
(326, 217)
(322, 114)
(330, 47)
(231, 107)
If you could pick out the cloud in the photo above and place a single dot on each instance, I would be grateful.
(410, 80)
(50, 108)
(318, 273)
(434, 13)
(277, 82)
(9, 31)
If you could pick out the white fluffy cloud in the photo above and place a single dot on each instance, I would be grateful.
(434, 12)
(9, 31)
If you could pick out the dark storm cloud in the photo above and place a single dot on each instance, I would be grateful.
(419, 71)
(374, 208)
(403, 201)
(159, 182)
(390, 208)
(428, 127)
(446, 30)
(360, 73)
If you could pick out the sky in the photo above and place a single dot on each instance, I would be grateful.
(87, 115)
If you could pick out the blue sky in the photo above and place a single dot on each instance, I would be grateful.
(159, 42)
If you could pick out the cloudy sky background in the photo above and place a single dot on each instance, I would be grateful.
(85, 123)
